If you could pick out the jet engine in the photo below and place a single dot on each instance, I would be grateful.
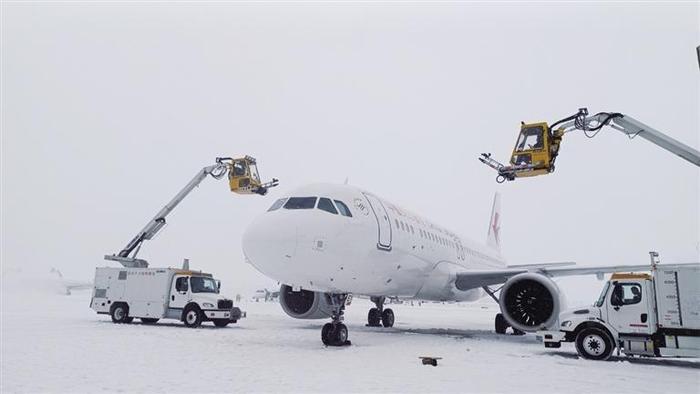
(531, 302)
(305, 304)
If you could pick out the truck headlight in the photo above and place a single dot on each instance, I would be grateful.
(566, 323)
(207, 305)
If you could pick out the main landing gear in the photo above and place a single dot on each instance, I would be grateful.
(501, 325)
(500, 322)
(335, 333)
(379, 316)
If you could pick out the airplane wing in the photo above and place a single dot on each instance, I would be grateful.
(474, 279)
(74, 285)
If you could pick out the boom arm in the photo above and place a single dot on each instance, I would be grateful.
(217, 171)
(538, 144)
(632, 128)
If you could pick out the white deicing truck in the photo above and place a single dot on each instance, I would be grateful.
(151, 294)
(641, 314)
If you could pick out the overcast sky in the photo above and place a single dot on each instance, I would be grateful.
(109, 109)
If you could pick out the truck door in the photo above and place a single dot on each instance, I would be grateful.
(627, 308)
(180, 292)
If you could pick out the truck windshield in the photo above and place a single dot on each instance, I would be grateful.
(201, 284)
(601, 298)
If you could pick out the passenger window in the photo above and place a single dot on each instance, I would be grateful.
(325, 204)
(300, 203)
(181, 284)
(412, 232)
(402, 226)
(626, 294)
(397, 223)
(277, 204)
(343, 208)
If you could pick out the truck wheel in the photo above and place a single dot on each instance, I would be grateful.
(221, 322)
(149, 320)
(192, 317)
(500, 324)
(594, 344)
(120, 313)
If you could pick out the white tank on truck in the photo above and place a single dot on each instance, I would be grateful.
(151, 294)
(641, 314)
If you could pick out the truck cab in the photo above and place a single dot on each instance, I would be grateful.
(190, 289)
(637, 313)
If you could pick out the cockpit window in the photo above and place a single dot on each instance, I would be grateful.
(300, 203)
(277, 204)
(325, 204)
(343, 208)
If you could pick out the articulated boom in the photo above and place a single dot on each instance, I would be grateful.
(538, 144)
(243, 179)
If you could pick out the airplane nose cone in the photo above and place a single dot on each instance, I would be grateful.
(269, 243)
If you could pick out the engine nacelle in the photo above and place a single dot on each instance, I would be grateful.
(305, 304)
(531, 302)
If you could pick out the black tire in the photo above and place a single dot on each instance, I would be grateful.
(340, 334)
(500, 324)
(334, 334)
(388, 318)
(120, 313)
(221, 322)
(192, 317)
(594, 343)
(128, 319)
(325, 333)
(149, 320)
(517, 332)
(374, 318)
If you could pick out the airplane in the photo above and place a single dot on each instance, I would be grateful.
(324, 242)
(265, 295)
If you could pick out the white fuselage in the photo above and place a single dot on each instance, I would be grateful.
(381, 250)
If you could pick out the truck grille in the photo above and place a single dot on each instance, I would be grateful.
(225, 304)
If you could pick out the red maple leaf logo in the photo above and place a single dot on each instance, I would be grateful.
(496, 228)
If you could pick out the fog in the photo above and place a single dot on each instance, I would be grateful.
(109, 109)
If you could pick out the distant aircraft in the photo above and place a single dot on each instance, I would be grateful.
(326, 241)
(65, 286)
(265, 295)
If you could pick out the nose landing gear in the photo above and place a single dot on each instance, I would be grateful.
(378, 317)
(335, 333)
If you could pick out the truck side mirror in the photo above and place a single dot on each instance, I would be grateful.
(218, 285)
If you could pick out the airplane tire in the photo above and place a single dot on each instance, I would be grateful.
(388, 318)
(334, 334)
(500, 324)
(374, 318)
(325, 333)
(340, 334)
(594, 343)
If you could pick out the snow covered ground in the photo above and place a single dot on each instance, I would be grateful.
(55, 343)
